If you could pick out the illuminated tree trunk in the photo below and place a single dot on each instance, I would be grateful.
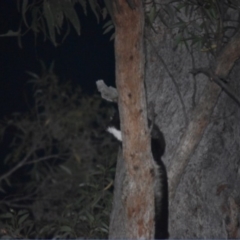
(137, 198)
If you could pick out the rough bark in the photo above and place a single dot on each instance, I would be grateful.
(137, 196)
(201, 128)
(117, 227)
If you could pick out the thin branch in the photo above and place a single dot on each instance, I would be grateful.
(20, 164)
(220, 27)
(16, 198)
(43, 159)
(227, 58)
(15, 205)
(226, 88)
(192, 136)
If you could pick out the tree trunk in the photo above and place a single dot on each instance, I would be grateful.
(137, 198)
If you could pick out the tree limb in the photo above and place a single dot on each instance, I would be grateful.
(17, 166)
(138, 185)
(192, 136)
(228, 56)
(226, 88)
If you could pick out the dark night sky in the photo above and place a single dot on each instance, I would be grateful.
(81, 59)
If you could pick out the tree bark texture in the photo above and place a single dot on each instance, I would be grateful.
(201, 127)
(137, 198)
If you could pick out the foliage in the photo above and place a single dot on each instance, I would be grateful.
(59, 165)
(204, 24)
(17, 224)
(53, 18)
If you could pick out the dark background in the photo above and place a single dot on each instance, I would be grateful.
(80, 59)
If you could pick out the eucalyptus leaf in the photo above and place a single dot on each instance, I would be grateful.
(110, 22)
(57, 12)
(50, 20)
(104, 13)
(152, 14)
(108, 4)
(108, 29)
(178, 25)
(186, 44)
(213, 12)
(187, 9)
(162, 19)
(112, 37)
(2, 190)
(197, 26)
(66, 169)
(94, 7)
(35, 23)
(10, 33)
(71, 15)
(23, 218)
(181, 5)
(195, 41)
(177, 40)
(24, 10)
(22, 212)
(66, 33)
(42, 27)
(169, 10)
(209, 14)
(6, 215)
(66, 229)
(32, 74)
(84, 6)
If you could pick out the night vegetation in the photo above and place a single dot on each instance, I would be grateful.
(58, 164)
